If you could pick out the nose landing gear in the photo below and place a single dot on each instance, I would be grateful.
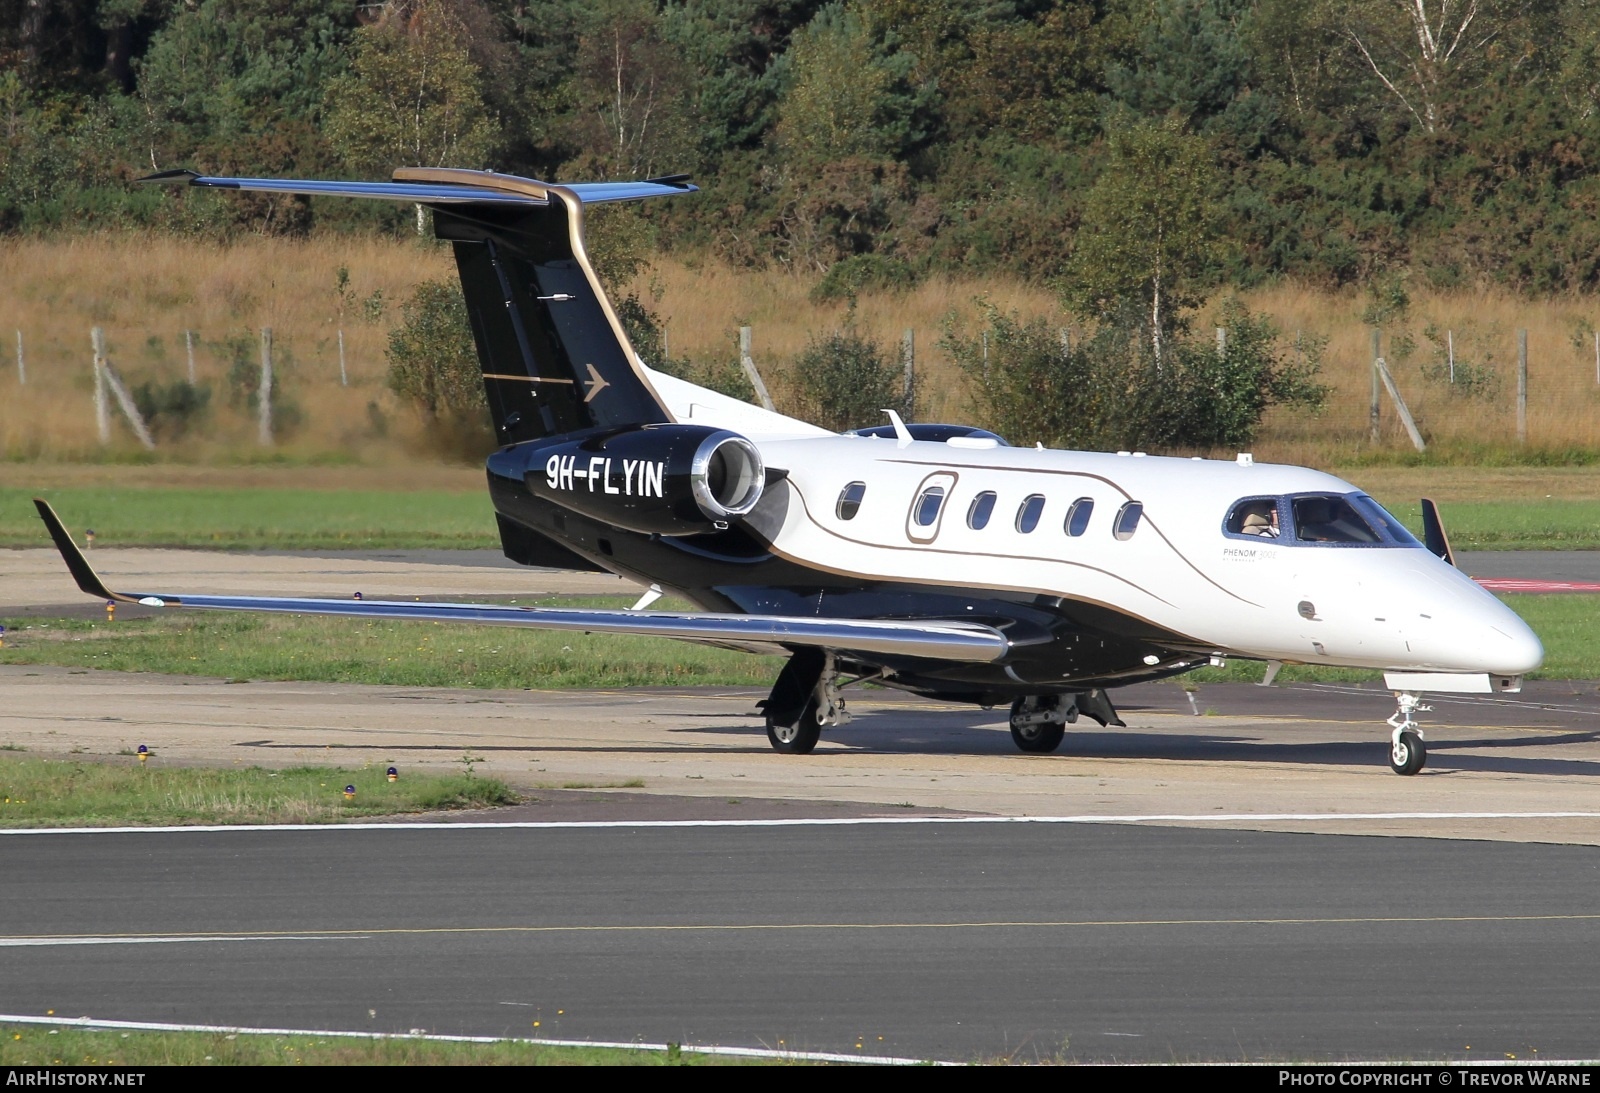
(1407, 752)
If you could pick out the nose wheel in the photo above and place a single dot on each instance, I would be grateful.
(1407, 752)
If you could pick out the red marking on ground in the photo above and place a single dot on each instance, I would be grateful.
(1518, 584)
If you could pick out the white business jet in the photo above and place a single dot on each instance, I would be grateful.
(931, 558)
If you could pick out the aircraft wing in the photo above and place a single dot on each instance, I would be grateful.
(438, 186)
(936, 639)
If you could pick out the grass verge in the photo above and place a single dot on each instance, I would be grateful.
(73, 792)
(407, 654)
(256, 518)
(41, 1046)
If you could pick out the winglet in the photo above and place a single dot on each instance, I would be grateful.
(1433, 533)
(77, 564)
(180, 175)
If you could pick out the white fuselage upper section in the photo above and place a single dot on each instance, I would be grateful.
(1276, 598)
(1362, 605)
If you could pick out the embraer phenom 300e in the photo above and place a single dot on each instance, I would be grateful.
(935, 559)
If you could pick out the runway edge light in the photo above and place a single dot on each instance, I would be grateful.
(393, 775)
(350, 793)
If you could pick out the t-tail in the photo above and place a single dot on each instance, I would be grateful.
(555, 357)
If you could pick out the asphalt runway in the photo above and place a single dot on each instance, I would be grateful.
(941, 940)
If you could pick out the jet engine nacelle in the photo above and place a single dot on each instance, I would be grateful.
(656, 479)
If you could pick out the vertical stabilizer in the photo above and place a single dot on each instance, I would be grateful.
(555, 357)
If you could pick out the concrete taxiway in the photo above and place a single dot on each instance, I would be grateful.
(1317, 753)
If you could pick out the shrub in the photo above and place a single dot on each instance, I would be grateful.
(844, 380)
(171, 410)
(433, 365)
(1108, 392)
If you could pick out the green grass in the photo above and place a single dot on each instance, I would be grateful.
(255, 518)
(1513, 525)
(74, 792)
(32, 1045)
(409, 654)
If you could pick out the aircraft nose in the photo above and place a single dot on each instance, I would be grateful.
(1513, 647)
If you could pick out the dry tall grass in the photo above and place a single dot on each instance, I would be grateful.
(146, 291)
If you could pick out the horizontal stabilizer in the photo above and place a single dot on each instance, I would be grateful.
(441, 187)
(937, 639)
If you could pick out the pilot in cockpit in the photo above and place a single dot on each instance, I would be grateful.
(1260, 519)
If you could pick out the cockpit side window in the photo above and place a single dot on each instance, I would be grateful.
(850, 500)
(1384, 520)
(1254, 517)
(1324, 519)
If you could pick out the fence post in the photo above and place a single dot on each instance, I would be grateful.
(1450, 347)
(344, 379)
(1222, 341)
(908, 363)
(264, 392)
(1380, 367)
(102, 412)
(748, 363)
(130, 409)
(1522, 386)
(22, 369)
(1377, 347)
(188, 344)
(985, 337)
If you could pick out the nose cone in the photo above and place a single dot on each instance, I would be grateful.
(1511, 647)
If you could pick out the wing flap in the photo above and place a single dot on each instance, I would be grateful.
(934, 639)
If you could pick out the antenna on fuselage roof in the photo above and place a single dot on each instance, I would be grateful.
(901, 433)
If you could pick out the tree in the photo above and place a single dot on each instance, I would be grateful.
(1150, 232)
(1422, 53)
(412, 95)
(849, 94)
(433, 364)
(632, 102)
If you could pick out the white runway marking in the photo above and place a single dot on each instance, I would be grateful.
(866, 821)
(688, 1049)
(48, 942)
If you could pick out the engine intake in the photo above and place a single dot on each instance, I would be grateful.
(656, 479)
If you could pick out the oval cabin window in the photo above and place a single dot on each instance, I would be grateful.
(982, 508)
(928, 506)
(1128, 520)
(1077, 521)
(1030, 511)
(850, 500)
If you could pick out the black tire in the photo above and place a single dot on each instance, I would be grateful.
(1408, 754)
(1036, 739)
(799, 738)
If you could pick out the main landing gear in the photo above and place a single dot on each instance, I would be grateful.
(803, 700)
(1407, 752)
(1039, 722)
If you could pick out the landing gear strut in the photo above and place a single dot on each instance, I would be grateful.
(1407, 752)
(803, 700)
